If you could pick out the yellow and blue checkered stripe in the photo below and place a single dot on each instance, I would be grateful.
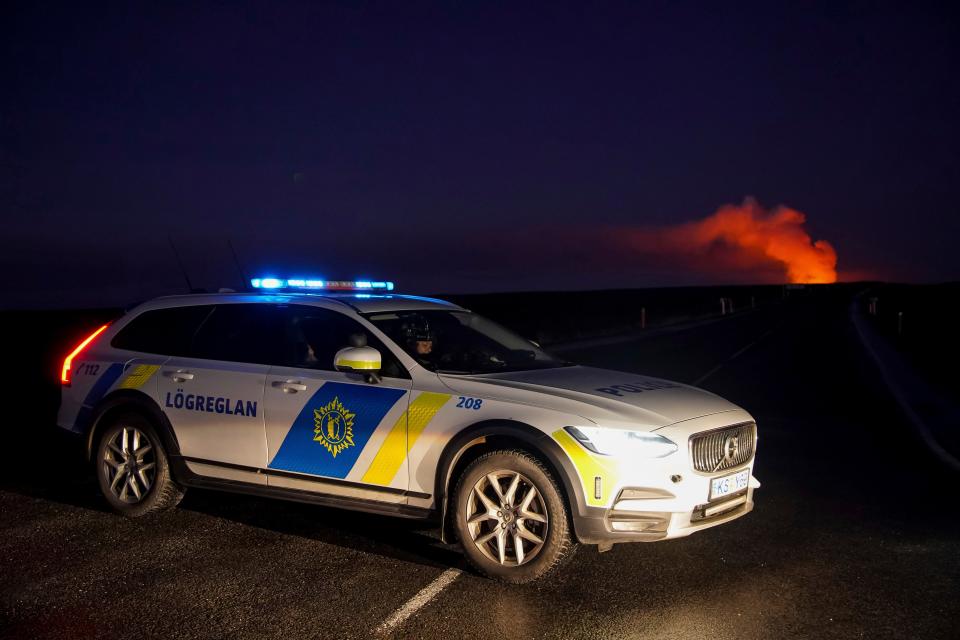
(300, 452)
(403, 436)
(138, 376)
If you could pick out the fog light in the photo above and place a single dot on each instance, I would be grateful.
(628, 525)
(644, 493)
(647, 522)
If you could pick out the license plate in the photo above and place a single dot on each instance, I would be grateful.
(726, 485)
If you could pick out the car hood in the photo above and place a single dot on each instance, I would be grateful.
(600, 395)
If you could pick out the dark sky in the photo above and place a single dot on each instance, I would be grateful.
(463, 146)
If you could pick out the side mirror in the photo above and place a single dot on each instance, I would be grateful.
(365, 360)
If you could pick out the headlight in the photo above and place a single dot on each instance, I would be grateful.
(611, 442)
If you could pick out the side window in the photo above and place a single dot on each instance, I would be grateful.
(314, 336)
(163, 331)
(241, 333)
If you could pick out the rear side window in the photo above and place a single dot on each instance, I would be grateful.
(242, 333)
(163, 331)
(314, 336)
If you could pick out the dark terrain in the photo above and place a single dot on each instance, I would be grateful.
(921, 321)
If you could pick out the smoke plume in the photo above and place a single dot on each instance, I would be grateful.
(743, 237)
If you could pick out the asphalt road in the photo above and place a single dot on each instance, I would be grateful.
(855, 532)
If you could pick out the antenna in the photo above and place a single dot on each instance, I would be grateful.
(180, 263)
(236, 261)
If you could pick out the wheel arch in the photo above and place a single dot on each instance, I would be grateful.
(130, 401)
(489, 435)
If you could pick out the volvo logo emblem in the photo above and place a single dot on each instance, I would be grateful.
(731, 447)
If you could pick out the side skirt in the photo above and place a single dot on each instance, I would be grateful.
(187, 478)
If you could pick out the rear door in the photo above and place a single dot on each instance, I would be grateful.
(213, 395)
(335, 432)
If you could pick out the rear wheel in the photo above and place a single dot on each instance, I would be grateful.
(511, 517)
(132, 468)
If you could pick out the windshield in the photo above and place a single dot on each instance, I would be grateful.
(461, 342)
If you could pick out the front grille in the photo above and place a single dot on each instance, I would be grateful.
(722, 448)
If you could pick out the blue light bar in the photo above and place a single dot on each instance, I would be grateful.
(308, 284)
(267, 283)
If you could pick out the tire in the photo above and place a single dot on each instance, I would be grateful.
(134, 485)
(492, 517)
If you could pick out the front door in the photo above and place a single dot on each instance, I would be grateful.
(335, 432)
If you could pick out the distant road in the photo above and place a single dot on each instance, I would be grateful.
(854, 532)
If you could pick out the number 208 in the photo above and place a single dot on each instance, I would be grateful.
(469, 403)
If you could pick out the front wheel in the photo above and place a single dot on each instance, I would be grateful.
(132, 468)
(511, 517)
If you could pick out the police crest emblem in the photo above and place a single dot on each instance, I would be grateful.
(333, 426)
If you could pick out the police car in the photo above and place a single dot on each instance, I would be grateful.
(348, 395)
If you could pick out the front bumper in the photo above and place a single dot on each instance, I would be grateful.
(643, 521)
(626, 500)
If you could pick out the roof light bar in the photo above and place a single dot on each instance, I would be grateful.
(307, 284)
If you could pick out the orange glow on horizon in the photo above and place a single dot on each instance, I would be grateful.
(746, 237)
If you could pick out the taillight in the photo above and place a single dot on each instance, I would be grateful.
(68, 361)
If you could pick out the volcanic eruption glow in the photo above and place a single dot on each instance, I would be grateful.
(745, 237)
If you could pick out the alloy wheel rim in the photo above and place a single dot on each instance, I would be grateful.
(129, 465)
(507, 518)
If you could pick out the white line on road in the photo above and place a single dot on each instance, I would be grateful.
(728, 360)
(415, 603)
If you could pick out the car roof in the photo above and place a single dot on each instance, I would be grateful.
(359, 302)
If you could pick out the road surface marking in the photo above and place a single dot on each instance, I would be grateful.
(415, 603)
(729, 360)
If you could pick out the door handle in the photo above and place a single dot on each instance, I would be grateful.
(289, 386)
(179, 375)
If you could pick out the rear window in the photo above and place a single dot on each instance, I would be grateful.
(242, 333)
(163, 331)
